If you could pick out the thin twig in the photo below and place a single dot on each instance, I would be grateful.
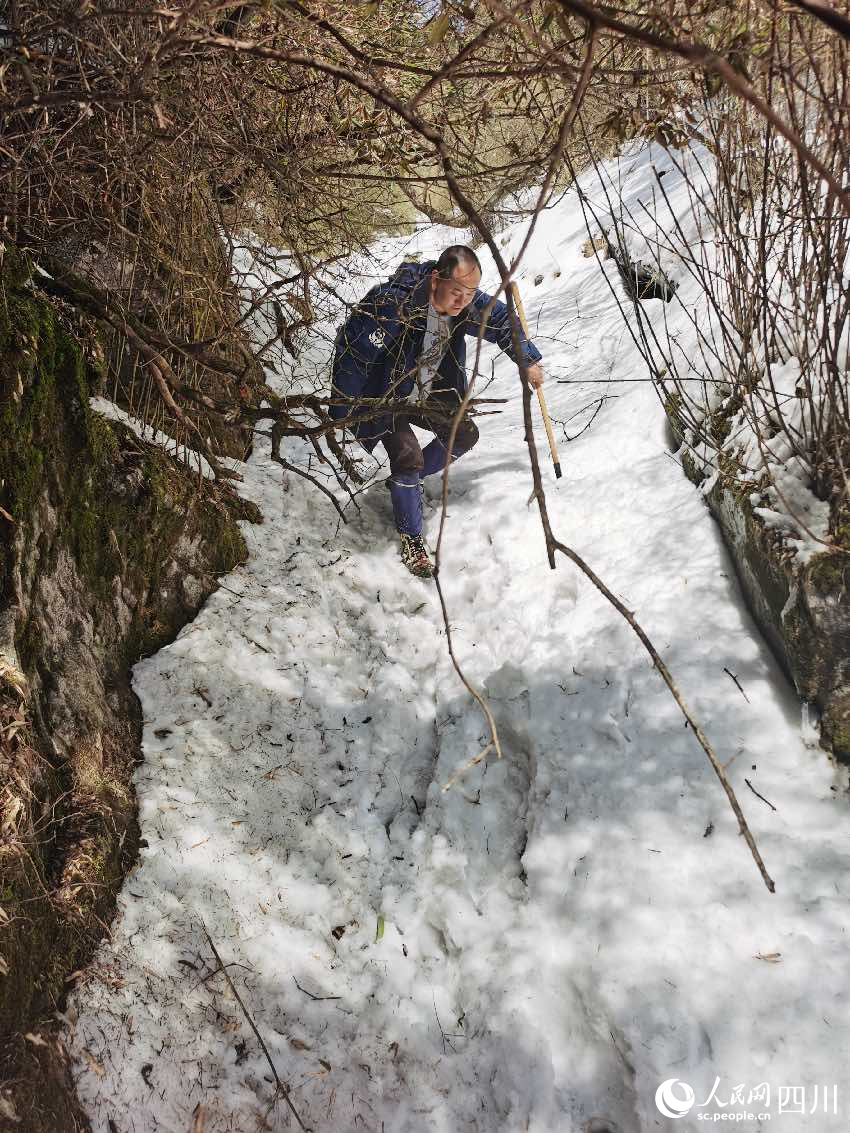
(738, 683)
(469, 764)
(283, 1089)
(312, 479)
(677, 696)
(758, 796)
(317, 998)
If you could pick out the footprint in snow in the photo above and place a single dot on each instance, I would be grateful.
(483, 815)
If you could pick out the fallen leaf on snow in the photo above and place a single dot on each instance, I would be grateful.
(94, 1064)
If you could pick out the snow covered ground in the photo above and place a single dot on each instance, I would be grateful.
(544, 945)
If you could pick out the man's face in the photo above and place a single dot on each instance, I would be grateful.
(450, 296)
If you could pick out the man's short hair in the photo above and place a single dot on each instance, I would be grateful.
(452, 257)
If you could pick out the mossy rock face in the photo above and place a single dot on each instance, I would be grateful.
(107, 549)
(829, 576)
(802, 610)
(207, 310)
(692, 470)
(835, 726)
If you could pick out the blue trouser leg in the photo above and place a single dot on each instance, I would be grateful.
(407, 502)
(434, 457)
(435, 452)
(408, 462)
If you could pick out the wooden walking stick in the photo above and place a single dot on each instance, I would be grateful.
(552, 447)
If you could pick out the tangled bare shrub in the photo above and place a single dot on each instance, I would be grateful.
(144, 147)
(765, 401)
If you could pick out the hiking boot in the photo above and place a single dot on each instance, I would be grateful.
(414, 555)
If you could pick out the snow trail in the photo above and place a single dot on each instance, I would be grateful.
(540, 947)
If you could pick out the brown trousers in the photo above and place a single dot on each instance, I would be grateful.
(403, 448)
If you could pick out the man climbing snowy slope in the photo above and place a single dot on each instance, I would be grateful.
(404, 343)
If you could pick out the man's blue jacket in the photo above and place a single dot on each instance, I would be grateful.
(378, 347)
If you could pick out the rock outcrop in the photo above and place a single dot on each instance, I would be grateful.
(802, 605)
(107, 548)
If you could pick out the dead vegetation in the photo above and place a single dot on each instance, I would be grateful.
(765, 272)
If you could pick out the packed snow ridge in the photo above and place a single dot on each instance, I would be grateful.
(573, 939)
